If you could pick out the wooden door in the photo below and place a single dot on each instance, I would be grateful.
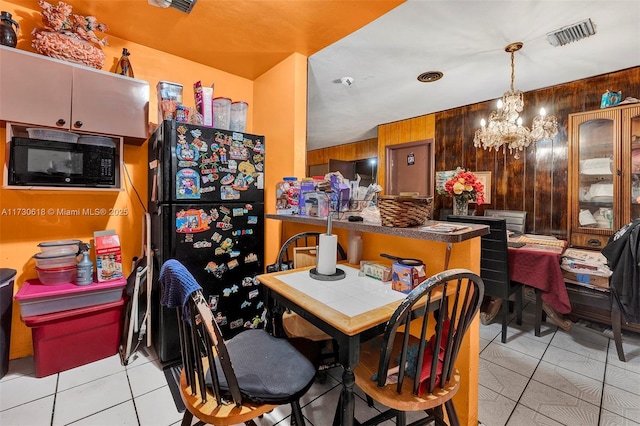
(410, 168)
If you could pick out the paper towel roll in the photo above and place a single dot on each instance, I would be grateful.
(327, 254)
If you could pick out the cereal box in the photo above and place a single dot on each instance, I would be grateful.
(108, 255)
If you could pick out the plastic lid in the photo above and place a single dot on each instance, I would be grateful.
(33, 289)
(239, 102)
(59, 243)
(55, 255)
(6, 276)
(290, 178)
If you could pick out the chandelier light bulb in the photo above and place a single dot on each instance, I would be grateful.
(504, 128)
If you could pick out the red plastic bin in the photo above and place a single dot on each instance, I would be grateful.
(69, 339)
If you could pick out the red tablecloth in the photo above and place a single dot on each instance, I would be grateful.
(541, 270)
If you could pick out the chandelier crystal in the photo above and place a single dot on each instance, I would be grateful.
(505, 128)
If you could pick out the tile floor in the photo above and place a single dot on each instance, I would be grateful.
(560, 378)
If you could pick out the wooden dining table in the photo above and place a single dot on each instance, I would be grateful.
(350, 310)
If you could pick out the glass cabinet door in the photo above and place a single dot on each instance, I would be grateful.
(597, 149)
(631, 159)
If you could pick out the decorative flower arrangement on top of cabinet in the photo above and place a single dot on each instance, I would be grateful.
(604, 173)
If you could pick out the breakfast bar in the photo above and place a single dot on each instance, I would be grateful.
(439, 251)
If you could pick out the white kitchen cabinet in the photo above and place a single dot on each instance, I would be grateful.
(43, 91)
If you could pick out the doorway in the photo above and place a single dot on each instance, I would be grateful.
(410, 168)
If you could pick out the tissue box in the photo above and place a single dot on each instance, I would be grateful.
(405, 278)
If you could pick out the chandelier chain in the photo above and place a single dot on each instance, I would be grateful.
(505, 128)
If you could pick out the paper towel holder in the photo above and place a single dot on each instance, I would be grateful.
(338, 274)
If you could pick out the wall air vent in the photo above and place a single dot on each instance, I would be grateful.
(183, 5)
(571, 33)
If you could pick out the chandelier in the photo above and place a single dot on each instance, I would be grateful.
(505, 127)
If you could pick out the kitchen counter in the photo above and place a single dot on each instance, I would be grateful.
(419, 232)
(438, 250)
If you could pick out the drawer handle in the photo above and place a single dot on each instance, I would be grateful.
(60, 122)
(78, 124)
(594, 242)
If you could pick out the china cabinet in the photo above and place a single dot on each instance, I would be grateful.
(43, 91)
(604, 173)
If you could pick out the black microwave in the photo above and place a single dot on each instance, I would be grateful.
(36, 162)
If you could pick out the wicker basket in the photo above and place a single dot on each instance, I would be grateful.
(403, 212)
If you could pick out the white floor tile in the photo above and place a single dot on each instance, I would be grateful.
(502, 380)
(608, 418)
(569, 382)
(523, 416)
(493, 408)
(621, 402)
(20, 367)
(157, 408)
(121, 415)
(89, 372)
(34, 413)
(559, 406)
(146, 378)
(623, 379)
(24, 389)
(509, 358)
(577, 363)
(92, 397)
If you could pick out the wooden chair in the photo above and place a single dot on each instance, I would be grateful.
(494, 266)
(439, 380)
(296, 252)
(516, 219)
(230, 382)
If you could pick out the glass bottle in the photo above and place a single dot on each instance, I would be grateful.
(124, 66)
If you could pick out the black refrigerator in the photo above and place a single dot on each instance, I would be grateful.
(206, 200)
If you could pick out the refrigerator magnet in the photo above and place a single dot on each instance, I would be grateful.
(187, 184)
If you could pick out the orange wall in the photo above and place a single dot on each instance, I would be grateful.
(277, 117)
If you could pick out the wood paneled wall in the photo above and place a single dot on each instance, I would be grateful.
(347, 152)
(536, 183)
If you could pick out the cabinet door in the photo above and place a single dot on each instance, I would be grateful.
(594, 197)
(109, 104)
(34, 90)
(631, 163)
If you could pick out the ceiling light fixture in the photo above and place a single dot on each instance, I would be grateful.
(571, 33)
(505, 127)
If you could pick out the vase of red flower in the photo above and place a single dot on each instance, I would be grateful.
(464, 187)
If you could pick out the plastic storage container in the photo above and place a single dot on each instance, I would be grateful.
(60, 246)
(238, 121)
(7, 277)
(50, 260)
(221, 113)
(169, 97)
(69, 339)
(288, 196)
(57, 276)
(36, 299)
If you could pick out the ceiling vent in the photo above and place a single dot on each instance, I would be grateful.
(183, 5)
(571, 33)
